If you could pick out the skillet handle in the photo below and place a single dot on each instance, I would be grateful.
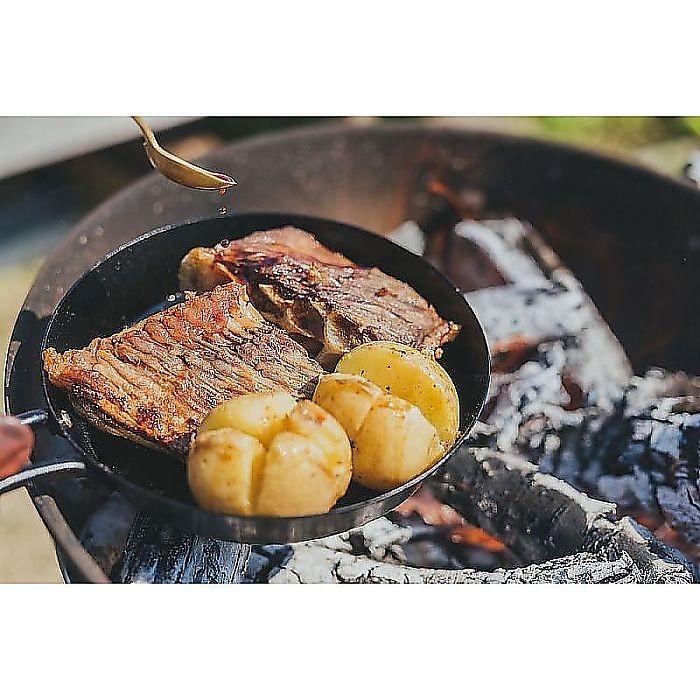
(16, 445)
(35, 471)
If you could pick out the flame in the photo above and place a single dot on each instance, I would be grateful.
(433, 512)
(476, 537)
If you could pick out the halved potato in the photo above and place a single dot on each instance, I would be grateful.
(409, 374)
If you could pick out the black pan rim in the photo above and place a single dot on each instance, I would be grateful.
(400, 492)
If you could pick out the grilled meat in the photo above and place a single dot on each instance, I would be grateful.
(156, 381)
(318, 295)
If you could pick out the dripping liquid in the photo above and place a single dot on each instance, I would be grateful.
(222, 209)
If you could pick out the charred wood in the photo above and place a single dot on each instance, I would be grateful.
(158, 554)
(327, 562)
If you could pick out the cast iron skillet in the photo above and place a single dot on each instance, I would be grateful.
(141, 278)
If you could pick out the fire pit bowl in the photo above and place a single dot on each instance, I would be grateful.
(629, 235)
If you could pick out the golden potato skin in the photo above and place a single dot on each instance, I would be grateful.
(395, 443)
(392, 441)
(260, 415)
(347, 398)
(411, 375)
(295, 480)
(221, 470)
(318, 425)
(266, 454)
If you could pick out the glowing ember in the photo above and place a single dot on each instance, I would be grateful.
(433, 512)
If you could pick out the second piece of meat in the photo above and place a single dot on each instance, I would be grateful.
(325, 300)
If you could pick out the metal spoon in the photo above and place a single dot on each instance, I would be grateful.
(178, 170)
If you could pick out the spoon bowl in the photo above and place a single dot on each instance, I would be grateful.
(179, 170)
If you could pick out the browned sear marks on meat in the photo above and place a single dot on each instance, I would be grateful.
(317, 294)
(156, 381)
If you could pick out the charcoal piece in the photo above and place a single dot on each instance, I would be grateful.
(643, 454)
(157, 554)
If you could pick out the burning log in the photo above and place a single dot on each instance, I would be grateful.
(543, 301)
(497, 490)
(501, 492)
(441, 538)
(644, 454)
(328, 562)
(157, 554)
(565, 398)
(641, 452)
(539, 516)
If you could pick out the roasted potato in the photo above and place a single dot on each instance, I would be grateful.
(266, 454)
(259, 415)
(394, 444)
(409, 374)
(392, 441)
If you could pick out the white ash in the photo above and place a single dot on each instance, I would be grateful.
(544, 301)
(409, 236)
(665, 392)
(502, 242)
(380, 540)
(528, 404)
(535, 312)
(328, 561)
